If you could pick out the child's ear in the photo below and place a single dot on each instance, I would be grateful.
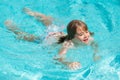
(92, 33)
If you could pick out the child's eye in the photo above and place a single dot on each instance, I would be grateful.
(80, 34)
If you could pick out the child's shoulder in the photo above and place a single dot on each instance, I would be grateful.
(68, 44)
(91, 39)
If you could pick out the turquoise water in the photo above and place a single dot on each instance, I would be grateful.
(22, 60)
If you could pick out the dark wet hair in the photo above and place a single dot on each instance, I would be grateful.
(71, 30)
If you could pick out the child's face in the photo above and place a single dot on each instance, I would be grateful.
(82, 35)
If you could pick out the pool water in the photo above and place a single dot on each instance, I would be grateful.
(22, 60)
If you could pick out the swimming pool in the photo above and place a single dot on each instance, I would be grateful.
(21, 60)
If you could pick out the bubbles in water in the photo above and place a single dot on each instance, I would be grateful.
(103, 71)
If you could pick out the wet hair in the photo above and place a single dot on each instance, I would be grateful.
(71, 30)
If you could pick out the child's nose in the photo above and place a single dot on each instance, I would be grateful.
(85, 35)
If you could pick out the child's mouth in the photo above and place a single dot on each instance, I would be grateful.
(85, 40)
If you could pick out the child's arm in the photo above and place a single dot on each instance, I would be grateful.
(61, 58)
(95, 47)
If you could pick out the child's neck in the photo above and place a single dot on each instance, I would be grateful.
(77, 42)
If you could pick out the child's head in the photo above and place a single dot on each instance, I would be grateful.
(77, 29)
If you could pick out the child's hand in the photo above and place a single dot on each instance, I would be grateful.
(74, 65)
(70, 65)
(96, 58)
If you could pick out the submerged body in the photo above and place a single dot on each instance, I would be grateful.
(77, 35)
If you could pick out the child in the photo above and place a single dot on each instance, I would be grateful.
(77, 35)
